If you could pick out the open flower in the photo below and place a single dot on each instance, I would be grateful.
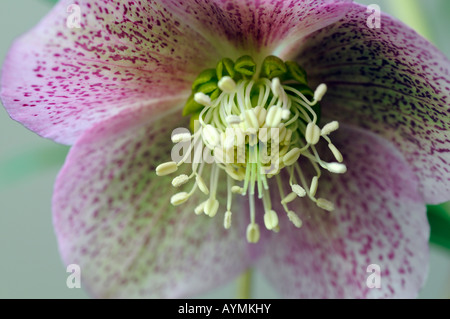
(116, 87)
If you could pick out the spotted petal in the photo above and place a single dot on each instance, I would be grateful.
(379, 220)
(391, 81)
(59, 81)
(259, 27)
(113, 217)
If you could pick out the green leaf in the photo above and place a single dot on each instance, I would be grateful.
(439, 219)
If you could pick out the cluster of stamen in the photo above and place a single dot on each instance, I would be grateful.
(253, 127)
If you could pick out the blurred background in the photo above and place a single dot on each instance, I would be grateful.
(30, 266)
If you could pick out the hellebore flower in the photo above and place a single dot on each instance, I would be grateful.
(116, 88)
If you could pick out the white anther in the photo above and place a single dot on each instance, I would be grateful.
(276, 87)
(329, 128)
(211, 207)
(289, 198)
(325, 204)
(211, 136)
(270, 219)
(313, 187)
(312, 133)
(336, 153)
(292, 156)
(237, 190)
(251, 119)
(337, 168)
(282, 133)
(227, 220)
(263, 133)
(273, 118)
(200, 208)
(285, 114)
(166, 168)
(260, 114)
(253, 233)
(297, 189)
(181, 137)
(179, 198)
(233, 119)
(238, 175)
(287, 138)
(227, 84)
(320, 92)
(180, 180)
(201, 185)
(294, 219)
(202, 98)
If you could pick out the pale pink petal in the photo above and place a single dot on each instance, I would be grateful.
(392, 82)
(113, 216)
(379, 219)
(259, 27)
(59, 81)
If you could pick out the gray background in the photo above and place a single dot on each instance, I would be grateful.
(30, 266)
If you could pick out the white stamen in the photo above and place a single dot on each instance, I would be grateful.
(336, 153)
(289, 198)
(285, 114)
(200, 208)
(233, 119)
(181, 137)
(297, 189)
(313, 187)
(211, 207)
(312, 134)
(292, 156)
(270, 219)
(276, 87)
(201, 185)
(211, 136)
(260, 114)
(287, 138)
(337, 168)
(295, 219)
(166, 168)
(202, 98)
(237, 190)
(273, 118)
(320, 92)
(325, 204)
(179, 198)
(180, 180)
(251, 119)
(253, 233)
(329, 128)
(227, 220)
(227, 84)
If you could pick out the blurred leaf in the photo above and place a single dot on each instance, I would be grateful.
(31, 162)
(439, 220)
(52, 1)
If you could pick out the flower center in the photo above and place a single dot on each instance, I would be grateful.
(253, 126)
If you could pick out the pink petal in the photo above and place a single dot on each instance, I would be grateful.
(379, 219)
(259, 27)
(113, 216)
(392, 82)
(59, 81)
